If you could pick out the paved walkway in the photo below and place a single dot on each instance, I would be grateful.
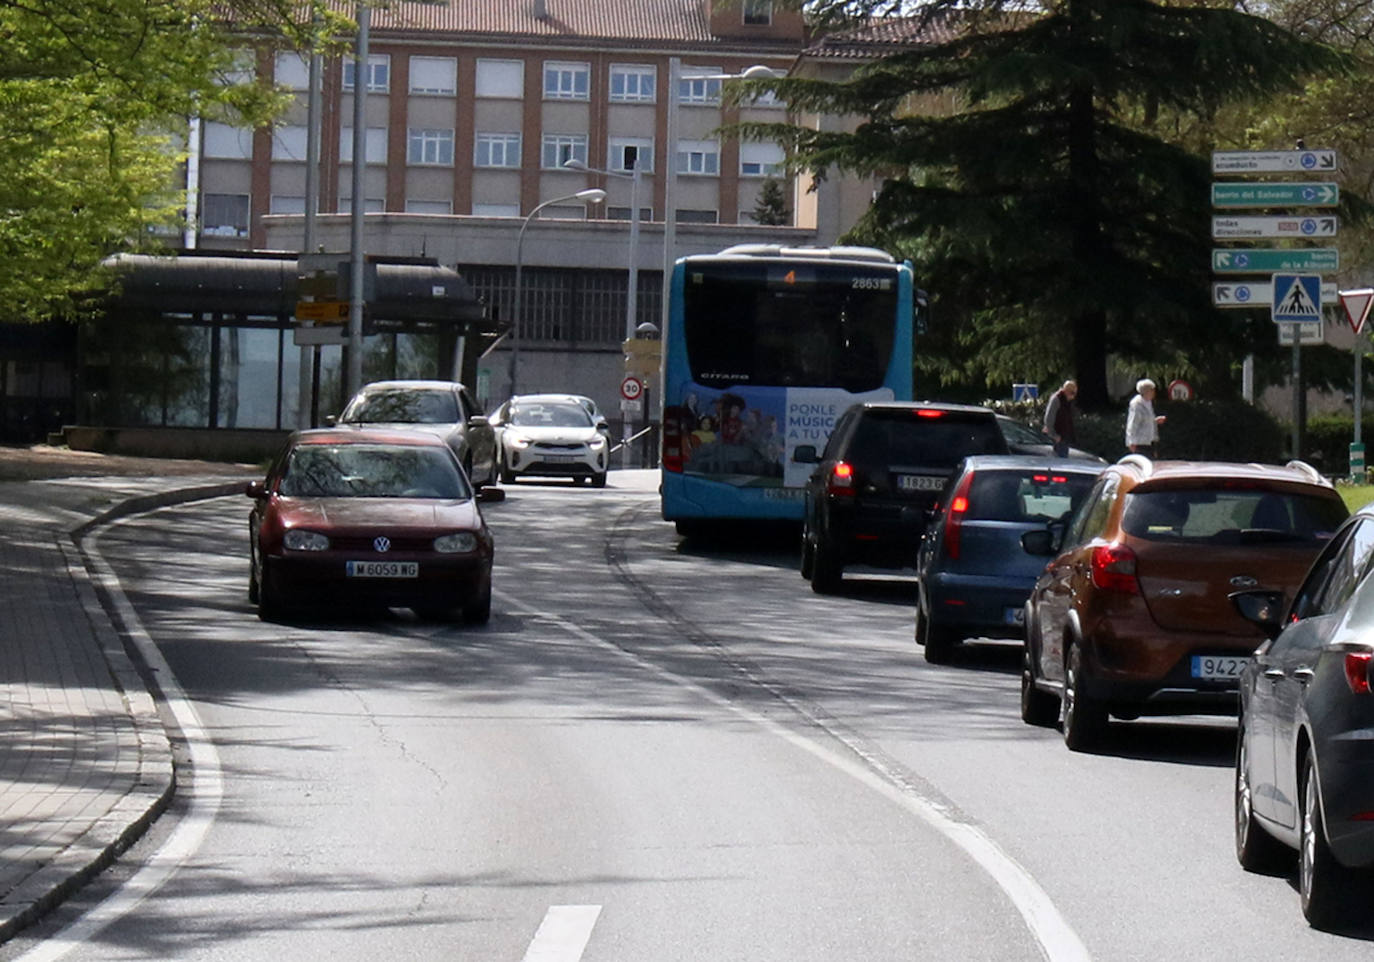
(85, 764)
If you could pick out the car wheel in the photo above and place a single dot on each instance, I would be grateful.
(252, 569)
(1256, 849)
(599, 479)
(826, 570)
(1324, 886)
(479, 612)
(1084, 718)
(269, 597)
(1037, 707)
(939, 641)
(507, 475)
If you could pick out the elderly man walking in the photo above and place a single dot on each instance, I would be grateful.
(1059, 418)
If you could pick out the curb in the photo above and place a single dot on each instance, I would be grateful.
(154, 786)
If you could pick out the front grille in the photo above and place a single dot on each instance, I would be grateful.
(364, 545)
(551, 446)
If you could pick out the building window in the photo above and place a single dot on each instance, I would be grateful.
(696, 87)
(497, 150)
(429, 147)
(623, 213)
(565, 212)
(758, 12)
(429, 207)
(433, 75)
(631, 153)
(286, 204)
(224, 215)
(698, 157)
(760, 160)
(500, 78)
(378, 73)
(288, 143)
(375, 149)
(566, 81)
(689, 216)
(496, 210)
(224, 141)
(371, 205)
(558, 149)
(292, 71)
(632, 83)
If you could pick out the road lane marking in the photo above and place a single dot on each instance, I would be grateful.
(563, 935)
(1047, 925)
(205, 793)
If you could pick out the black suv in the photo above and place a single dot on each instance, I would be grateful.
(878, 480)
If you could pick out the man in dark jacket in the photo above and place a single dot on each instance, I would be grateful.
(1059, 418)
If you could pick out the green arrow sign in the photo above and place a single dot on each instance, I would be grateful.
(1275, 195)
(1240, 260)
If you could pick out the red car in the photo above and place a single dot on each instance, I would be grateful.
(371, 517)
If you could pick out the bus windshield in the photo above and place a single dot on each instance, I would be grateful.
(813, 325)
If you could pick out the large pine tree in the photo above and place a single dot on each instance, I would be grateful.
(1053, 213)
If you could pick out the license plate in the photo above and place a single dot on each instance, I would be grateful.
(382, 569)
(560, 458)
(1218, 667)
(782, 494)
(919, 482)
(1014, 616)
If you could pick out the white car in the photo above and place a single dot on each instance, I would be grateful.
(549, 436)
(598, 418)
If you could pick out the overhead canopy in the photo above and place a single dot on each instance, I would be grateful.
(406, 292)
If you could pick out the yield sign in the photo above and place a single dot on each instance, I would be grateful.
(1356, 304)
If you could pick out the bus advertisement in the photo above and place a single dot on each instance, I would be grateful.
(766, 347)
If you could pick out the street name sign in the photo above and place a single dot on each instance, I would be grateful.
(1309, 335)
(1275, 194)
(1272, 161)
(1257, 293)
(1262, 260)
(1231, 227)
(1297, 298)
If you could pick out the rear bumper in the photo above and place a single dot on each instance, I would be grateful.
(886, 535)
(991, 607)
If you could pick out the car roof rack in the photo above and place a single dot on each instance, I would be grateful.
(1141, 463)
(1308, 470)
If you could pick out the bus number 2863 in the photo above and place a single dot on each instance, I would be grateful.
(871, 283)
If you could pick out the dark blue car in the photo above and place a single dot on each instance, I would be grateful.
(974, 576)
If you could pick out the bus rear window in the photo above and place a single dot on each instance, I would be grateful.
(831, 326)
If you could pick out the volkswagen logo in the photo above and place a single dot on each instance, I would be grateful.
(1244, 581)
(383, 544)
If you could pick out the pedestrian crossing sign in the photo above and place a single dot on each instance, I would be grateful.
(1297, 298)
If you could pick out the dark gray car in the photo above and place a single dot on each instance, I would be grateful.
(1305, 752)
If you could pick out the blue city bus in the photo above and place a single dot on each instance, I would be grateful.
(766, 347)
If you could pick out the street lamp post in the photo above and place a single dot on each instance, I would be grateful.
(594, 195)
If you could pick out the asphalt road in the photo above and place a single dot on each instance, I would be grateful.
(655, 751)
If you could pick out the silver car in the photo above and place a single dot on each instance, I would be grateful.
(443, 408)
(549, 436)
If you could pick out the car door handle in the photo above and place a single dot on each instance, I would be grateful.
(1304, 675)
(1274, 674)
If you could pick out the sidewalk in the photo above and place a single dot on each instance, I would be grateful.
(85, 764)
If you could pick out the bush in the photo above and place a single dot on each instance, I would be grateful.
(1327, 441)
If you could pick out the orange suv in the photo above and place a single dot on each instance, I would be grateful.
(1131, 615)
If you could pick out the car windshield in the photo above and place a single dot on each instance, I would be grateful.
(1026, 496)
(373, 471)
(407, 406)
(1231, 515)
(900, 437)
(1017, 433)
(549, 415)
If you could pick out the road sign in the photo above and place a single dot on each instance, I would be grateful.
(1356, 304)
(322, 312)
(1260, 260)
(1276, 194)
(631, 388)
(1272, 161)
(1309, 335)
(1231, 226)
(1257, 293)
(1297, 298)
(1180, 390)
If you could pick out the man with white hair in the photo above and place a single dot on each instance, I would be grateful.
(1142, 424)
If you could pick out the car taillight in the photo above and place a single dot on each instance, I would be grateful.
(927, 413)
(1357, 666)
(672, 446)
(1113, 568)
(954, 517)
(841, 479)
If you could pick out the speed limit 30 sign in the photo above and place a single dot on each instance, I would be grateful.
(631, 388)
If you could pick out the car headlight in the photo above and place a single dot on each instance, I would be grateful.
(298, 540)
(461, 542)
(517, 441)
(597, 443)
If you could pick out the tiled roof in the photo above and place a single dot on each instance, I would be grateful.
(880, 38)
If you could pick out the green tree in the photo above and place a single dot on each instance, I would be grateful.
(771, 207)
(94, 101)
(1054, 213)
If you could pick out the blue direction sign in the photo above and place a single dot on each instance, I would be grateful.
(1272, 161)
(1275, 194)
(1261, 260)
(1297, 298)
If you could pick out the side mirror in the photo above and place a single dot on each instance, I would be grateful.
(490, 495)
(257, 490)
(330, 420)
(479, 421)
(805, 454)
(1038, 542)
(1262, 607)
